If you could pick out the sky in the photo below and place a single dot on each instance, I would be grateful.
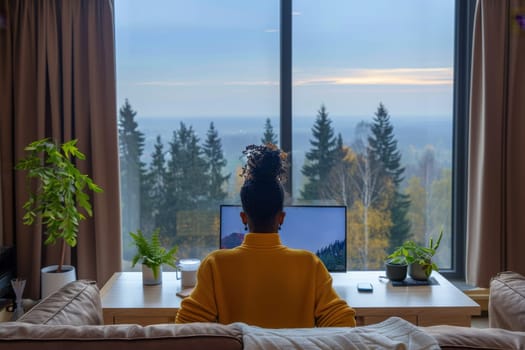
(221, 58)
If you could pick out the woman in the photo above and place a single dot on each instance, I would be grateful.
(263, 282)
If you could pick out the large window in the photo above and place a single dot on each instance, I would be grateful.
(372, 120)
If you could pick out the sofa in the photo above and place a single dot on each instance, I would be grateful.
(71, 318)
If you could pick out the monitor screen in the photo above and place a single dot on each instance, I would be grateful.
(319, 229)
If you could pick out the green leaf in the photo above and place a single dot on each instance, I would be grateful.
(150, 251)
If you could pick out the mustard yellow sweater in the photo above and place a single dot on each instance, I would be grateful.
(266, 284)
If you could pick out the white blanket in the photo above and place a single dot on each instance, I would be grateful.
(393, 333)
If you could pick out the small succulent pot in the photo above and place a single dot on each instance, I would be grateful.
(396, 272)
(417, 272)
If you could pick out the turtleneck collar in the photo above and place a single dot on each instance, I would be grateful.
(262, 240)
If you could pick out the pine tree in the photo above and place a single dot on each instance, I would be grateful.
(269, 136)
(321, 157)
(383, 147)
(156, 183)
(131, 146)
(187, 179)
(215, 163)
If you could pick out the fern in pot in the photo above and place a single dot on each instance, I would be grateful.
(152, 255)
(58, 200)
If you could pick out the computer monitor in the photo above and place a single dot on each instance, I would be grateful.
(319, 229)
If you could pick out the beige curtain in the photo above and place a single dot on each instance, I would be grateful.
(57, 78)
(496, 189)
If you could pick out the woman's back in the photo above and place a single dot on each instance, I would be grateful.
(266, 284)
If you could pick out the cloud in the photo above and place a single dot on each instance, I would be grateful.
(296, 13)
(167, 83)
(388, 76)
(252, 83)
(271, 30)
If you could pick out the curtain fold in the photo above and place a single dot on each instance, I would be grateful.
(59, 79)
(496, 190)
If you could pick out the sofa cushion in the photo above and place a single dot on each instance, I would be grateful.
(20, 336)
(77, 303)
(465, 338)
(507, 301)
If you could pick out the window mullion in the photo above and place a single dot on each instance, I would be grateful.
(285, 84)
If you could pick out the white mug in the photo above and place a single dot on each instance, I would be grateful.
(188, 272)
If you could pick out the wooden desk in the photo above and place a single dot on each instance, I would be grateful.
(126, 300)
(421, 305)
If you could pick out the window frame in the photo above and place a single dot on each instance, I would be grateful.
(463, 39)
(464, 24)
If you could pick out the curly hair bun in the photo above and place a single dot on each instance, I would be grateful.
(265, 163)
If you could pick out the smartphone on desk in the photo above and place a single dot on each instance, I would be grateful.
(365, 287)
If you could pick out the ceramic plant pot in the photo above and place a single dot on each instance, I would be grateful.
(416, 271)
(148, 277)
(396, 272)
(51, 281)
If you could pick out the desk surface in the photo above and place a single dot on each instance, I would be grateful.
(125, 290)
(442, 295)
(125, 299)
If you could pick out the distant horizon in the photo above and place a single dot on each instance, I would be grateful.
(330, 115)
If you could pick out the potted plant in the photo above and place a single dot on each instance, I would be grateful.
(60, 201)
(418, 257)
(152, 255)
(396, 268)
